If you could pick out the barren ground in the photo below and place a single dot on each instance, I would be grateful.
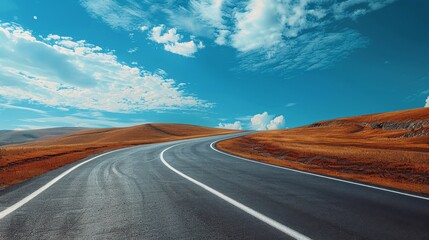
(23, 161)
(389, 149)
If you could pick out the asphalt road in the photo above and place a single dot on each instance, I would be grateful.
(187, 190)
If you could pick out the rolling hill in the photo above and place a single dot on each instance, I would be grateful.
(146, 133)
(23, 161)
(389, 149)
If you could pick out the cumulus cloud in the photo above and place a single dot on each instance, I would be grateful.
(263, 121)
(60, 72)
(171, 40)
(168, 37)
(277, 123)
(427, 102)
(236, 125)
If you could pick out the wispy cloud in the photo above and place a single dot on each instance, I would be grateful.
(265, 32)
(313, 50)
(72, 121)
(291, 35)
(63, 73)
(128, 15)
(356, 8)
(9, 106)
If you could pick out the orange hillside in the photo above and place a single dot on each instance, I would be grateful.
(146, 133)
(20, 162)
(389, 149)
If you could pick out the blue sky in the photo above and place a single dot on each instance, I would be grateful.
(255, 64)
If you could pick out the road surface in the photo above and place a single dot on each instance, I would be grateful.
(187, 190)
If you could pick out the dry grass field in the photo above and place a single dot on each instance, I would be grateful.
(21, 162)
(389, 149)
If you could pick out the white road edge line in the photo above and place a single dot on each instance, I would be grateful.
(314, 174)
(288, 231)
(25, 200)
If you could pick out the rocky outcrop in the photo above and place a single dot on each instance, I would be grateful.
(403, 125)
(417, 128)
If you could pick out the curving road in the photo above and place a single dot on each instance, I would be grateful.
(187, 190)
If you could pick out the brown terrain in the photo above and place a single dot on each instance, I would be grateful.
(387, 149)
(23, 161)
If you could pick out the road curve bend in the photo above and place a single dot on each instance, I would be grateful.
(189, 190)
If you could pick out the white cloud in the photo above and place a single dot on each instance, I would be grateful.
(133, 50)
(127, 16)
(276, 123)
(63, 73)
(222, 37)
(259, 26)
(427, 102)
(356, 8)
(63, 109)
(187, 49)
(209, 11)
(144, 28)
(170, 36)
(266, 23)
(263, 31)
(263, 121)
(289, 35)
(291, 104)
(260, 122)
(35, 17)
(73, 121)
(9, 106)
(313, 50)
(236, 125)
(171, 40)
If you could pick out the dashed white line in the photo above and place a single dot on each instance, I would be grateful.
(273, 223)
(316, 175)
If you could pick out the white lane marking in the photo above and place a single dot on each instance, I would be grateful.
(25, 200)
(316, 175)
(288, 231)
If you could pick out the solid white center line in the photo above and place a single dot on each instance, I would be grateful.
(273, 223)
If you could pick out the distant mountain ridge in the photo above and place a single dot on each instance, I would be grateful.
(21, 136)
